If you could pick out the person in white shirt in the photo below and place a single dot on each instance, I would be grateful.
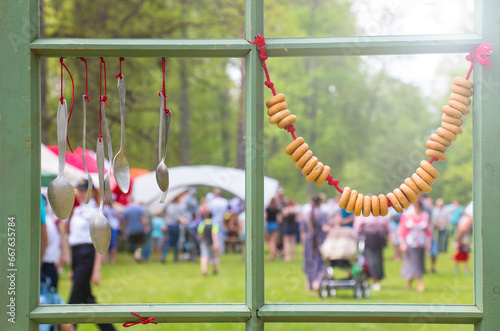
(218, 206)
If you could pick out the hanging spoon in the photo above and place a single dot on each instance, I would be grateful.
(60, 193)
(162, 176)
(100, 230)
(121, 169)
(89, 189)
(107, 185)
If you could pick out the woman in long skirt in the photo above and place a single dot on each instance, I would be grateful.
(416, 235)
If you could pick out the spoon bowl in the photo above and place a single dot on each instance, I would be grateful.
(61, 197)
(100, 232)
(121, 170)
(162, 177)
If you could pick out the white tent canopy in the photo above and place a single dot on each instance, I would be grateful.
(146, 190)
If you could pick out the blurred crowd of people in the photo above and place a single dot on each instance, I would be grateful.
(203, 229)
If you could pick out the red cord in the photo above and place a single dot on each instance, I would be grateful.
(261, 44)
(102, 97)
(481, 54)
(72, 97)
(120, 73)
(162, 92)
(86, 80)
(142, 321)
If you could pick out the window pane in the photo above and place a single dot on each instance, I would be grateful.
(361, 18)
(368, 119)
(204, 97)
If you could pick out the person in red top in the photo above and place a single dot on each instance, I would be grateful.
(416, 235)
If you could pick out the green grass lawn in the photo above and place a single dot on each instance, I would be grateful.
(182, 282)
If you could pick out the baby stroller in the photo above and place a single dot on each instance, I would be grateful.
(343, 249)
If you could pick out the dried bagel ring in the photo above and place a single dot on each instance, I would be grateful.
(461, 90)
(452, 120)
(352, 201)
(359, 204)
(429, 168)
(294, 145)
(459, 106)
(309, 166)
(452, 111)
(452, 127)
(409, 193)
(289, 120)
(421, 183)
(384, 208)
(276, 108)
(446, 134)
(460, 98)
(375, 206)
(425, 176)
(274, 100)
(462, 82)
(303, 159)
(346, 194)
(411, 184)
(435, 145)
(279, 116)
(403, 200)
(315, 172)
(322, 177)
(441, 140)
(437, 154)
(299, 152)
(395, 202)
(367, 205)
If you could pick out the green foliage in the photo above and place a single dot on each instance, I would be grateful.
(368, 126)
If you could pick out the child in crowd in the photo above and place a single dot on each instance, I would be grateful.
(157, 224)
(208, 234)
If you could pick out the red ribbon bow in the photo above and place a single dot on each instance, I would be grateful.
(482, 55)
(142, 321)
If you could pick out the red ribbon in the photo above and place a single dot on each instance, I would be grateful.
(86, 80)
(482, 55)
(72, 97)
(120, 73)
(162, 92)
(261, 43)
(142, 321)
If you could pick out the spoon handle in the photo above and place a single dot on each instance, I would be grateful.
(167, 129)
(61, 135)
(122, 89)
(108, 135)
(84, 131)
(100, 168)
(160, 139)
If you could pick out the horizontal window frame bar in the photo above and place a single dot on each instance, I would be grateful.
(238, 48)
(371, 313)
(275, 313)
(121, 313)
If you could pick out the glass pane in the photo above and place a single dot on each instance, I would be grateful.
(143, 19)
(204, 147)
(367, 18)
(368, 119)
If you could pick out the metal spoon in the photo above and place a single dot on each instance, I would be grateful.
(60, 193)
(107, 185)
(100, 230)
(90, 185)
(162, 177)
(121, 169)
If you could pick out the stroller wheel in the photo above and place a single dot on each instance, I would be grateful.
(323, 289)
(333, 292)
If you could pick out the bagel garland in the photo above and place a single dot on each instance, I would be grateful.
(424, 176)
(407, 193)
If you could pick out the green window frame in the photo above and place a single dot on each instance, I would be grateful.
(20, 55)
